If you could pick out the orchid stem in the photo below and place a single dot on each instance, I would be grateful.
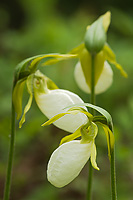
(89, 191)
(10, 157)
(113, 174)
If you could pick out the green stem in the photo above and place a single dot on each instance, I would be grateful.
(10, 158)
(113, 174)
(89, 191)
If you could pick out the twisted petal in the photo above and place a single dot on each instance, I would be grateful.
(28, 105)
(110, 56)
(93, 156)
(103, 83)
(17, 96)
(67, 161)
(54, 102)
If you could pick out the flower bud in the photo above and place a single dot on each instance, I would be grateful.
(104, 82)
(53, 102)
(67, 161)
(95, 36)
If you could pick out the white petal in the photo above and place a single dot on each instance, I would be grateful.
(67, 161)
(54, 103)
(104, 82)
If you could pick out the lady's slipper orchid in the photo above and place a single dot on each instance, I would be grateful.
(67, 160)
(95, 45)
(25, 73)
(52, 102)
(104, 82)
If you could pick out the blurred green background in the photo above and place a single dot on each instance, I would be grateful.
(31, 27)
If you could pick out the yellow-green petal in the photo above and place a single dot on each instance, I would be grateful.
(58, 57)
(17, 97)
(110, 138)
(93, 156)
(29, 83)
(82, 110)
(110, 56)
(71, 137)
(58, 116)
(77, 50)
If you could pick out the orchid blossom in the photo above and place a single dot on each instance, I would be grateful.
(94, 45)
(50, 99)
(67, 161)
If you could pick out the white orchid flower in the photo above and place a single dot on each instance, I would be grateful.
(53, 102)
(104, 82)
(67, 160)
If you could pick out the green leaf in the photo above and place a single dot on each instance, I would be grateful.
(71, 137)
(17, 97)
(29, 83)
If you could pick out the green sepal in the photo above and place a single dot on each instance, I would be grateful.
(17, 97)
(29, 65)
(59, 58)
(110, 56)
(20, 71)
(86, 62)
(110, 138)
(71, 137)
(29, 83)
(98, 109)
(82, 110)
(100, 118)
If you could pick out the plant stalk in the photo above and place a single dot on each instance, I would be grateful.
(113, 174)
(10, 157)
(89, 191)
